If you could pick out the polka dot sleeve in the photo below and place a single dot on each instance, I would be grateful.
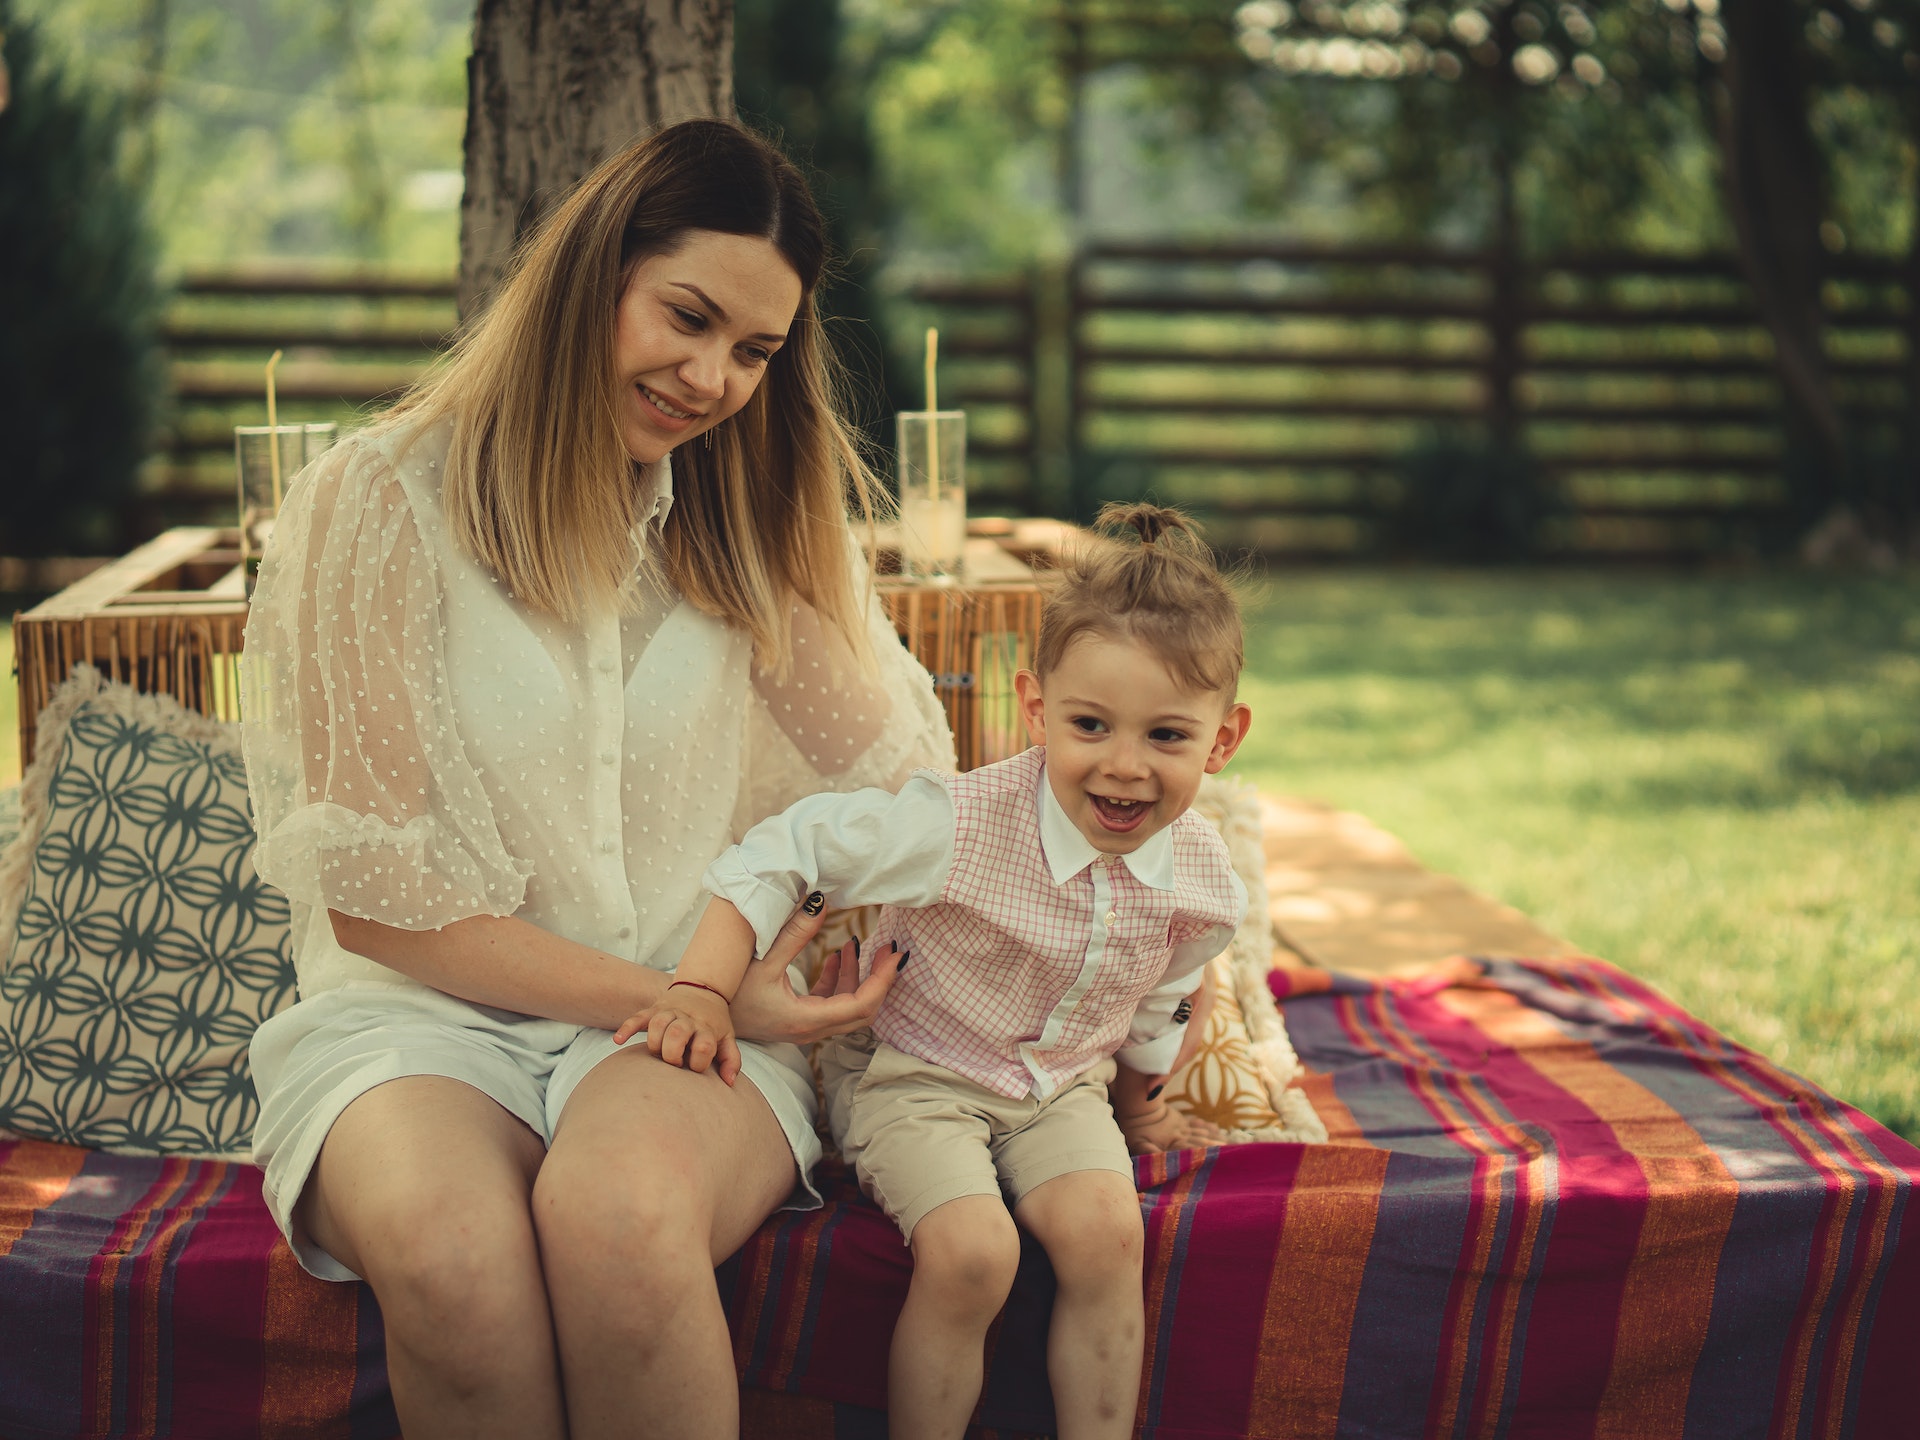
(364, 797)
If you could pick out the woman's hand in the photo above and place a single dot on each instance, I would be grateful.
(766, 1007)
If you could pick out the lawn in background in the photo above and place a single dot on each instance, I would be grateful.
(1712, 781)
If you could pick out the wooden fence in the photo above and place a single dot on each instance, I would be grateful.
(1285, 391)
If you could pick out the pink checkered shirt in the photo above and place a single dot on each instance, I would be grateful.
(1018, 982)
(1023, 986)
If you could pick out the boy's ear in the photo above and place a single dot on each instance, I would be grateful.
(1227, 739)
(1026, 686)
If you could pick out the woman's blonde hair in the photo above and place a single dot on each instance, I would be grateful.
(1164, 592)
(538, 485)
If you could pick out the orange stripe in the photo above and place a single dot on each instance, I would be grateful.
(793, 1305)
(1856, 1306)
(36, 1175)
(1324, 1242)
(1667, 1301)
(1459, 1342)
(1342, 1128)
(1527, 1202)
(310, 1326)
(104, 1279)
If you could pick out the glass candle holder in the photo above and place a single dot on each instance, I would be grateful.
(932, 447)
(261, 487)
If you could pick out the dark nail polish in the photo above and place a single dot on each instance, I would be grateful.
(856, 947)
(1154, 1094)
(905, 955)
(815, 903)
(1183, 1012)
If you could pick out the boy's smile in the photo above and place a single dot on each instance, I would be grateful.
(1127, 742)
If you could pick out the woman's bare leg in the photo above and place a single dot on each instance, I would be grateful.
(656, 1175)
(423, 1187)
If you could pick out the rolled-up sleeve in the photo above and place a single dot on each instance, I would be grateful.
(1154, 1037)
(864, 848)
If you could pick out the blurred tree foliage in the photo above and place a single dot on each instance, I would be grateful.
(793, 81)
(283, 128)
(78, 381)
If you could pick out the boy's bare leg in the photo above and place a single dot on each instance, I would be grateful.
(1089, 1224)
(964, 1255)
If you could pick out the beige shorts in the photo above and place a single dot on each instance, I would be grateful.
(918, 1135)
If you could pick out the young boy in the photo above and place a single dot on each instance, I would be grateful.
(1059, 908)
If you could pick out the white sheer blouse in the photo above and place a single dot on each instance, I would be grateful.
(421, 747)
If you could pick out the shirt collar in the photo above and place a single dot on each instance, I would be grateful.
(654, 510)
(1068, 852)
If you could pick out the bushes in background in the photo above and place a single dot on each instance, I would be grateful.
(79, 376)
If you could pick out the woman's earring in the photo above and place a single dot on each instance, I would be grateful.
(707, 439)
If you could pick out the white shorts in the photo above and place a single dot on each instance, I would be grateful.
(313, 1060)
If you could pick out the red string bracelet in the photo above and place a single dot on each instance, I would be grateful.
(724, 1000)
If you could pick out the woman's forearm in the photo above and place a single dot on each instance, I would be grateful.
(509, 964)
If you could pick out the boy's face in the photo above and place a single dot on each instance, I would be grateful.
(1126, 742)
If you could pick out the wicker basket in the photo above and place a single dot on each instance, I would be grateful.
(167, 619)
(972, 639)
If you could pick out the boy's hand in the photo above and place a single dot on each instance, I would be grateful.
(1157, 1127)
(689, 1027)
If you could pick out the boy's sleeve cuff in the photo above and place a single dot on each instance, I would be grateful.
(1153, 1057)
(766, 909)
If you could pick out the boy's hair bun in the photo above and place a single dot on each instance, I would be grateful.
(1150, 522)
(1163, 590)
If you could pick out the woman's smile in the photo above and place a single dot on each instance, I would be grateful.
(672, 415)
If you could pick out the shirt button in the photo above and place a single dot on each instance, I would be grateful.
(607, 847)
(1113, 917)
(607, 757)
(623, 932)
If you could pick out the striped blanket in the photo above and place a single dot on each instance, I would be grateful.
(1556, 1205)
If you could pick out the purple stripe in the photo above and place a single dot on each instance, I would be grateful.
(42, 1305)
(1857, 1374)
(816, 1287)
(772, 1311)
(1394, 1343)
(1170, 1291)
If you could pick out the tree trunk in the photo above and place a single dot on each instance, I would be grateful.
(555, 86)
(1773, 175)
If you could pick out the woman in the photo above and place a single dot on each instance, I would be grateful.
(513, 680)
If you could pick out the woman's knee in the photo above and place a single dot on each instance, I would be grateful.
(966, 1252)
(635, 1224)
(464, 1272)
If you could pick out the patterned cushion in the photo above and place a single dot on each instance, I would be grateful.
(147, 951)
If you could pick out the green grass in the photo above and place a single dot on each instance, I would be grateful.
(1712, 781)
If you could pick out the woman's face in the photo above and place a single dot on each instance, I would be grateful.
(695, 331)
